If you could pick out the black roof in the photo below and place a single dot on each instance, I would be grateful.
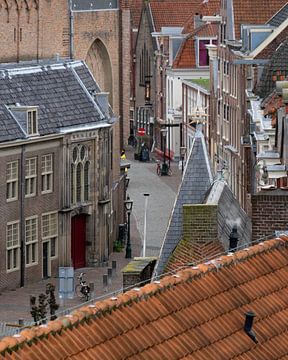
(61, 91)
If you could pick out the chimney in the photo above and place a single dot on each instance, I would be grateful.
(233, 239)
(197, 20)
(248, 325)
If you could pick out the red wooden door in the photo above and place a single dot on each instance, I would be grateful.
(78, 239)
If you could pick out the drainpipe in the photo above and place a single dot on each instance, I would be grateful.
(71, 30)
(22, 217)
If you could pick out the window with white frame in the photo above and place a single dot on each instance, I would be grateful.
(12, 180)
(50, 231)
(31, 240)
(12, 246)
(203, 56)
(30, 176)
(47, 173)
(32, 122)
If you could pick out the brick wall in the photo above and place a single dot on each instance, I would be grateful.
(269, 213)
(200, 223)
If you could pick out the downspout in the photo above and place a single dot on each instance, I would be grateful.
(71, 30)
(22, 217)
(121, 122)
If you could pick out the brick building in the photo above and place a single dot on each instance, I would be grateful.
(56, 196)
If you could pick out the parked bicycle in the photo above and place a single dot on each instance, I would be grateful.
(82, 289)
(164, 169)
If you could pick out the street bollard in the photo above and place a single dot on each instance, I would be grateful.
(105, 282)
(109, 276)
(114, 266)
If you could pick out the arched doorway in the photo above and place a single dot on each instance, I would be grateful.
(99, 63)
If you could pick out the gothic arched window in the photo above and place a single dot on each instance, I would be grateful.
(79, 174)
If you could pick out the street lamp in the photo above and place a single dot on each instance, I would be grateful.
(183, 150)
(146, 195)
(128, 207)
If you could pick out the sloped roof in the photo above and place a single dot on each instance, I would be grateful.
(197, 313)
(278, 66)
(186, 56)
(197, 178)
(280, 16)
(178, 13)
(60, 90)
(269, 50)
(254, 12)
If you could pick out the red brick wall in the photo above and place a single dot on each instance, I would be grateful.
(269, 213)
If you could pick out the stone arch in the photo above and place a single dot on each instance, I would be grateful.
(98, 61)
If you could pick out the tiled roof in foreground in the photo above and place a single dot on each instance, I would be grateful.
(198, 313)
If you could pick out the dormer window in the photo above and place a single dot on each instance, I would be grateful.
(203, 56)
(32, 122)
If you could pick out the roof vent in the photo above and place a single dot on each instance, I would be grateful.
(233, 239)
(248, 325)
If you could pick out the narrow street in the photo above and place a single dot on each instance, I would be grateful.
(15, 304)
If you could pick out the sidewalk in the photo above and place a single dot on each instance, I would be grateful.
(15, 305)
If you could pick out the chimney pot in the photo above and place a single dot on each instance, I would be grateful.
(249, 324)
(233, 239)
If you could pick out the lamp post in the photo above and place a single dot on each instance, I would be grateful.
(183, 150)
(164, 170)
(128, 207)
(145, 223)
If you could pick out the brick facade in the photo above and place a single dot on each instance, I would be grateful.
(269, 213)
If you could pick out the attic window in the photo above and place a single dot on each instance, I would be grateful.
(203, 57)
(32, 122)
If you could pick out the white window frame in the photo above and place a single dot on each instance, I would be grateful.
(198, 49)
(12, 181)
(32, 122)
(30, 177)
(50, 234)
(31, 240)
(14, 246)
(46, 174)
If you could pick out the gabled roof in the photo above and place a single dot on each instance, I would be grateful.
(61, 91)
(254, 12)
(197, 178)
(186, 56)
(178, 13)
(198, 313)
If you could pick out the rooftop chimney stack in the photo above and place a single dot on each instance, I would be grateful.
(233, 239)
(249, 324)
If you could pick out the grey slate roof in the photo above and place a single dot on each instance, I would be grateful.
(197, 179)
(229, 213)
(278, 64)
(58, 90)
(84, 5)
(279, 17)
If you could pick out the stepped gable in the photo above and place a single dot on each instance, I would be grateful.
(197, 179)
(196, 313)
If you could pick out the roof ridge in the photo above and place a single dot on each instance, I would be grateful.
(101, 308)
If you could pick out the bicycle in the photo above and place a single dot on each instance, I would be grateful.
(82, 289)
(164, 170)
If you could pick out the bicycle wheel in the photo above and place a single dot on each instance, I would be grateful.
(78, 290)
(169, 172)
(158, 170)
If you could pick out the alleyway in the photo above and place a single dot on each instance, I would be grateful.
(15, 305)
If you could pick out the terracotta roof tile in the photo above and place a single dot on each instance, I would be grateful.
(179, 13)
(253, 12)
(198, 313)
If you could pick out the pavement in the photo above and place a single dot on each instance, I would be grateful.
(15, 304)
